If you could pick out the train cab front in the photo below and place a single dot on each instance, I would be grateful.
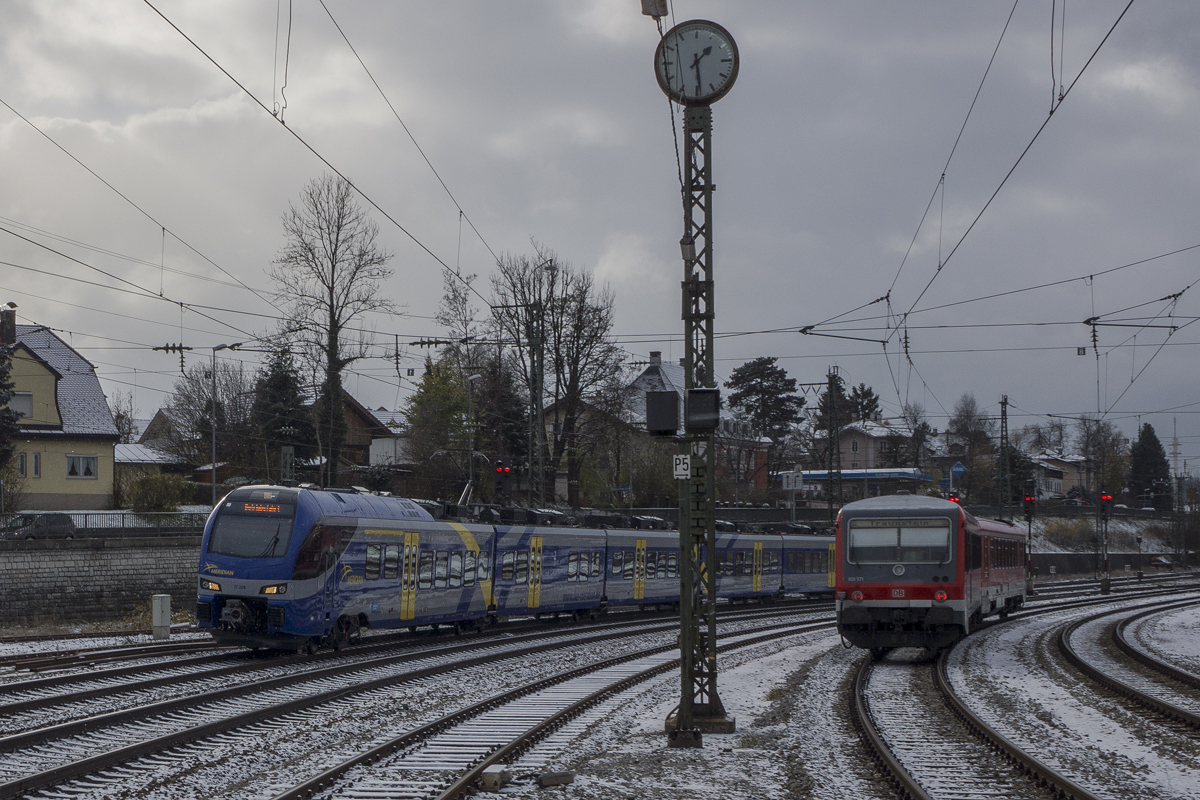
(245, 592)
(899, 583)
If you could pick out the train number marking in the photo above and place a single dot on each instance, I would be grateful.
(897, 593)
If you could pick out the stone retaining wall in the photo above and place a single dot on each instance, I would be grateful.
(94, 580)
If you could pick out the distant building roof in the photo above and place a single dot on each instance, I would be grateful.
(82, 405)
(142, 454)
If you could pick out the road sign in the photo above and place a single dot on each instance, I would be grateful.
(958, 469)
(683, 467)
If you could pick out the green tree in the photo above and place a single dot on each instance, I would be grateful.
(763, 394)
(328, 274)
(434, 416)
(826, 404)
(864, 402)
(1149, 472)
(9, 429)
(279, 415)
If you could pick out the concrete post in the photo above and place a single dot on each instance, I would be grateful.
(160, 616)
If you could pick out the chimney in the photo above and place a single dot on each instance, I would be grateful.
(655, 358)
(8, 325)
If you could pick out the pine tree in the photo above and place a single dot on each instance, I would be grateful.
(1149, 472)
(279, 415)
(765, 394)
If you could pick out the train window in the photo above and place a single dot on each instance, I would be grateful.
(391, 561)
(662, 565)
(425, 570)
(628, 574)
(522, 571)
(573, 567)
(372, 567)
(824, 562)
(469, 568)
(485, 560)
(875, 541)
(808, 566)
(597, 563)
(976, 552)
(739, 563)
(439, 570)
(584, 560)
(791, 562)
(456, 570)
(616, 567)
(650, 556)
(672, 565)
(506, 567)
(774, 565)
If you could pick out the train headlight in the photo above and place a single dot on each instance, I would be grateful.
(940, 596)
(856, 596)
(280, 588)
(211, 586)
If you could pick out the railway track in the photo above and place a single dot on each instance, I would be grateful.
(74, 753)
(1098, 648)
(445, 758)
(34, 703)
(937, 747)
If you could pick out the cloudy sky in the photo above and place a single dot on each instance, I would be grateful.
(545, 122)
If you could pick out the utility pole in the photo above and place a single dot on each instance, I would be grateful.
(696, 63)
(1005, 488)
(834, 484)
(213, 415)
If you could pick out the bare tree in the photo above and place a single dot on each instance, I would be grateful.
(328, 274)
(123, 412)
(551, 310)
(190, 408)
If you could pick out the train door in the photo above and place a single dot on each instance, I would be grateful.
(831, 565)
(535, 571)
(408, 577)
(639, 570)
(756, 581)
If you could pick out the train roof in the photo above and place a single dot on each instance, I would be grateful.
(906, 503)
(345, 504)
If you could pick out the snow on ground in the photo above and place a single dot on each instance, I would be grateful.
(793, 739)
(1173, 636)
(1013, 676)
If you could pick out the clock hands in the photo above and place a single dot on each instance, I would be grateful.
(696, 66)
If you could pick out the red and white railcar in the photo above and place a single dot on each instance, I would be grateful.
(922, 572)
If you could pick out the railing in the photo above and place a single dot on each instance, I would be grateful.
(112, 523)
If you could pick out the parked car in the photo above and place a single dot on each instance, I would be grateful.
(39, 526)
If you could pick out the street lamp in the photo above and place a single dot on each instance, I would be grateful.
(213, 415)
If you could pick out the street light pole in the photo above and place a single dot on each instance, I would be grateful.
(212, 419)
(470, 438)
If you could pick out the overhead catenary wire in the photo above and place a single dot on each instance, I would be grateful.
(128, 200)
(304, 142)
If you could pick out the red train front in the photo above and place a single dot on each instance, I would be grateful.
(920, 572)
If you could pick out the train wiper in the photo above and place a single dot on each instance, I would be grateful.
(269, 550)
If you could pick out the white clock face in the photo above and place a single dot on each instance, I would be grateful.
(696, 62)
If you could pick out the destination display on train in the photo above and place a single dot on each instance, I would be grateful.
(898, 523)
(258, 507)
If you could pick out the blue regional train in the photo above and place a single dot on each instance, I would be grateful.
(298, 568)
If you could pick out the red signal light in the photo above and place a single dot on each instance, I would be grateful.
(856, 596)
(940, 596)
(499, 469)
(506, 469)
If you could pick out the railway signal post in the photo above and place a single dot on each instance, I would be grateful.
(1029, 506)
(696, 63)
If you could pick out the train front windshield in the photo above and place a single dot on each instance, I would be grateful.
(255, 525)
(889, 541)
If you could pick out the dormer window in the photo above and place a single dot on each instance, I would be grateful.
(22, 403)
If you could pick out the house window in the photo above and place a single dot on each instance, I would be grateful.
(37, 465)
(22, 403)
(83, 467)
(21, 465)
(854, 445)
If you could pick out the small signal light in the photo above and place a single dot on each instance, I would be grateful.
(940, 596)
(856, 596)
(506, 469)
(499, 469)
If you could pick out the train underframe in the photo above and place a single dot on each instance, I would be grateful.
(874, 627)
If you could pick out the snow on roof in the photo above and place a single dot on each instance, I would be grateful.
(142, 454)
(81, 402)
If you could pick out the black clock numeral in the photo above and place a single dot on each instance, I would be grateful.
(724, 75)
(726, 60)
(712, 88)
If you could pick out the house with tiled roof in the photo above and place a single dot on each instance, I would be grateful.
(67, 436)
